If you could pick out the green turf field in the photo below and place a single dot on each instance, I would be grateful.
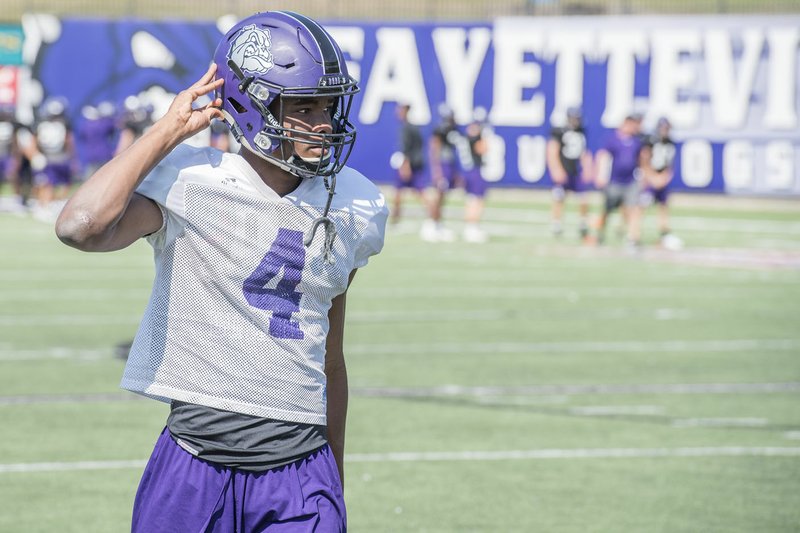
(524, 385)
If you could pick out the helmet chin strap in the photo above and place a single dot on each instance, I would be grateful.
(330, 227)
(324, 219)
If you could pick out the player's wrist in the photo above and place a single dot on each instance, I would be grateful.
(165, 134)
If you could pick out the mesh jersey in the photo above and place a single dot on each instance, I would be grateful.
(662, 153)
(238, 315)
(572, 144)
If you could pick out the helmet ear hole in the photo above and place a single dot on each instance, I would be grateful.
(236, 105)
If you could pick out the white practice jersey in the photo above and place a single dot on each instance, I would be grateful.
(238, 316)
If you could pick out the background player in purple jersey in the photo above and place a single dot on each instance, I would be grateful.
(618, 176)
(569, 163)
(657, 159)
(444, 174)
(409, 163)
(97, 135)
(243, 333)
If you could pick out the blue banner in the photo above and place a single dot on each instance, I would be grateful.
(728, 84)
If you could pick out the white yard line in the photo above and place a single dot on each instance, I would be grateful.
(69, 294)
(521, 395)
(719, 422)
(38, 399)
(453, 456)
(434, 316)
(549, 289)
(558, 390)
(721, 345)
(9, 353)
(66, 320)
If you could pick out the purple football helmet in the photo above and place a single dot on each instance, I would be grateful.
(280, 53)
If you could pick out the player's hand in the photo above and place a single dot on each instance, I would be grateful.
(559, 177)
(405, 171)
(187, 119)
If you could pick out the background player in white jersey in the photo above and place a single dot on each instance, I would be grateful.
(54, 162)
(657, 160)
(569, 162)
(471, 148)
(254, 254)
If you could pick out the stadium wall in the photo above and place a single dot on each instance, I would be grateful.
(729, 84)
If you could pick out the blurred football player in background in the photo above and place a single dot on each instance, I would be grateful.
(569, 163)
(618, 176)
(657, 160)
(54, 162)
(14, 163)
(135, 119)
(96, 136)
(474, 184)
(409, 163)
(243, 334)
(444, 174)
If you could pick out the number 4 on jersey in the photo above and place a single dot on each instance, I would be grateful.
(287, 253)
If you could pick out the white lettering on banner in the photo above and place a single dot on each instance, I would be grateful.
(672, 74)
(351, 40)
(730, 93)
(396, 76)
(512, 75)
(567, 49)
(731, 83)
(781, 112)
(737, 164)
(494, 161)
(697, 163)
(779, 156)
(623, 50)
(461, 65)
(531, 157)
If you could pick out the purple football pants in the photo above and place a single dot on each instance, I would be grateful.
(180, 493)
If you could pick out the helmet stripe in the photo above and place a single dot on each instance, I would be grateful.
(330, 59)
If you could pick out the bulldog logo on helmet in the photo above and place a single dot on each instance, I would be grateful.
(250, 50)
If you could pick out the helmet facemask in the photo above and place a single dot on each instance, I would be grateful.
(275, 141)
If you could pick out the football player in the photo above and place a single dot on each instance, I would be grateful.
(54, 161)
(444, 174)
(657, 159)
(472, 148)
(254, 254)
(408, 162)
(96, 135)
(569, 163)
(135, 119)
(16, 149)
(9, 151)
(621, 184)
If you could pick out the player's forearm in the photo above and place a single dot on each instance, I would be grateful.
(95, 208)
(337, 414)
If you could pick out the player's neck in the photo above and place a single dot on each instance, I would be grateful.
(274, 177)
